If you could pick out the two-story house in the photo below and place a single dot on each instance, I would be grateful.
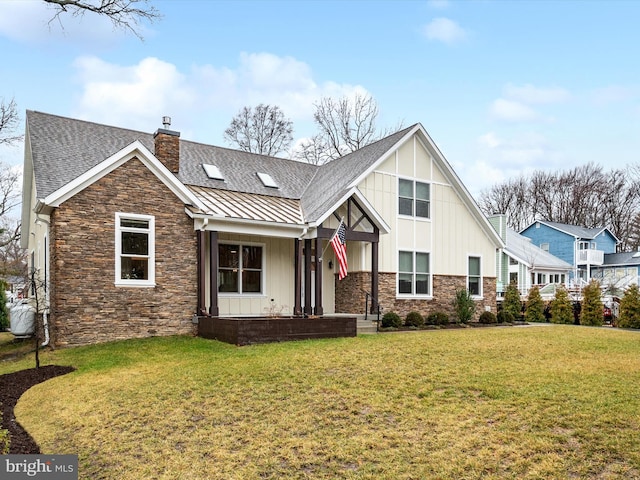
(583, 248)
(136, 234)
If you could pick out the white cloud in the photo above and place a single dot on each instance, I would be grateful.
(516, 103)
(512, 111)
(522, 150)
(490, 140)
(34, 22)
(24, 21)
(137, 96)
(444, 30)
(530, 94)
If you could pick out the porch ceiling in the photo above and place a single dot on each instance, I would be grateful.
(250, 206)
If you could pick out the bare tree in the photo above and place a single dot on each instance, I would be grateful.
(585, 195)
(314, 150)
(346, 125)
(263, 130)
(124, 14)
(9, 184)
(12, 256)
(9, 121)
(9, 189)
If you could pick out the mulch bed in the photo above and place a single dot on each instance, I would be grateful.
(12, 386)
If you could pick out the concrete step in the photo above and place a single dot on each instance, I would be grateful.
(366, 326)
(363, 326)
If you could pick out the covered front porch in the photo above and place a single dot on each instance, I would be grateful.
(260, 282)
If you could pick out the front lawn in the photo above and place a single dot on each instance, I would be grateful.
(523, 402)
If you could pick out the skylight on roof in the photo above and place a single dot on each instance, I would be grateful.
(267, 181)
(212, 171)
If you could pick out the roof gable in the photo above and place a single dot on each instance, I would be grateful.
(335, 179)
(576, 231)
(134, 150)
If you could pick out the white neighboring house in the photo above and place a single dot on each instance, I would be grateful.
(526, 264)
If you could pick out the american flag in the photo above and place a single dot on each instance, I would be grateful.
(340, 249)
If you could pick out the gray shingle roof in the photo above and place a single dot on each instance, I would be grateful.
(575, 230)
(333, 179)
(240, 170)
(64, 148)
(622, 258)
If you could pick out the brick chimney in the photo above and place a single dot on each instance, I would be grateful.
(167, 146)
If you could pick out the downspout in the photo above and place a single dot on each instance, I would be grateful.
(45, 317)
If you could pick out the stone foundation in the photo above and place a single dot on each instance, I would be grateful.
(350, 295)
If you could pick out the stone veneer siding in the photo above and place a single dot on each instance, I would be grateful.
(350, 295)
(167, 149)
(86, 306)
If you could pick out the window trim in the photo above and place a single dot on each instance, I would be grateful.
(241, 244)
(479, 276)
(429, 274)
(414, 199)
(127, 282)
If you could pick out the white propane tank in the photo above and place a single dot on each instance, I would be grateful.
(22, 319)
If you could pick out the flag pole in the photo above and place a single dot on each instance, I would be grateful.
(332, 236)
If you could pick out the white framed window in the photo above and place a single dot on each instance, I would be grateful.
(414, 277)
(241, 268)
(474, 277)
(135, 250)
(414, 198)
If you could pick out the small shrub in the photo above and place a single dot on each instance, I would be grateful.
(414, 319)
(592, 307)
(512, 302)
(487, 317)
(464, 306)
(391, 320)
(4, 442)
(505, 317)
(561, 308)
(437, 318)
(630, 308)
(534, 309)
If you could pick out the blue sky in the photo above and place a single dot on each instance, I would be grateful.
(502, 87)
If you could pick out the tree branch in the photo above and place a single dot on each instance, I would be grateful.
(124, 14)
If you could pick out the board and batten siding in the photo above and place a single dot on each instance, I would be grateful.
(450, 235)
(278, 277)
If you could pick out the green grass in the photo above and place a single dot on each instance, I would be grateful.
(542, 402)
(12, 348)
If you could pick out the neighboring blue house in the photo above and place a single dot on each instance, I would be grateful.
(524, 263)
(583, 248)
